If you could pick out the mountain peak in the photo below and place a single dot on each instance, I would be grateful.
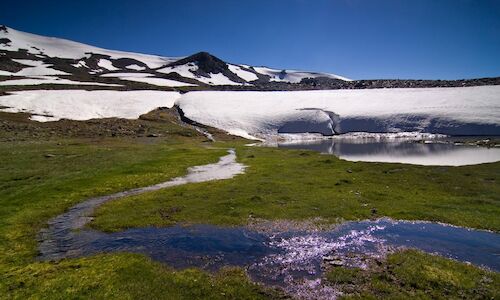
(204, 60)
(3, 28)
(208, 64)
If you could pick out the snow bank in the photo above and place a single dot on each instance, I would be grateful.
(83, 105)
(454, 111)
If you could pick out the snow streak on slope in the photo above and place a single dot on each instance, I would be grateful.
(55, 47)
(202, 66)
(106, 64)
(147, 78)
(84, 105)
(468, 110)
(36, 67)
(187, 70)
(37, 80)
(248, 76)
(292, 75)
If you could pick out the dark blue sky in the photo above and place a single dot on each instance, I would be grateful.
(446, 39)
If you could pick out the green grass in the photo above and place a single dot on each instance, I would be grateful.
(291, 184)
(126, 276)
(412, 274)
(44, 173)
(35, 188)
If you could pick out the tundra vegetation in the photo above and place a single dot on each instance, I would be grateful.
(48, 167)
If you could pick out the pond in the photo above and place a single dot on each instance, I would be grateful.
(439, 151)
(276, 258)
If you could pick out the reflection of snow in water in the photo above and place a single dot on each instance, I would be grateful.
(300, 258)
(398, 150)
(297, 263)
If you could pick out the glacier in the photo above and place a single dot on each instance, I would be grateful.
(451, 111)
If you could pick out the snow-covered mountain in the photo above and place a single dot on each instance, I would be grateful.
(53, 78)
(31, 59)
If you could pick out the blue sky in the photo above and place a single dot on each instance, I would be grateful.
(424, 39)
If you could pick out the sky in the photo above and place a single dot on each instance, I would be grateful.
(424, 39)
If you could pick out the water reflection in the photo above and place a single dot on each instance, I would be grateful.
(399, 151)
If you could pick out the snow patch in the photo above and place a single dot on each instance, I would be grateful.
(243, 74)
(128, 75)
(81, 64)
(293, 76)
(36, 80)
(106, 64)
(135, 67)
(36, 67)
(147, 78)
(52, 105)
(183, 70)
(187, 70)
(217, 79)
(56, 47)
(158, 81)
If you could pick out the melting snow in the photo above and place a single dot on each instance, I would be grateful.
(135, 67)
(183, 70)
(146, 78)
(106, 64)
(264, 113)
(51, 105)
(55, 47)
(50, 79)
(36, 67)
(292, 75)
(80, 64)
(246, 75)
(187, 70)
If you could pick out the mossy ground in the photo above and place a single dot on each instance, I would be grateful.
(412, 274)
(298, 185)
(43, 175)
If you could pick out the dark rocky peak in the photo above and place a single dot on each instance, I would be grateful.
(123, 63)
(282, 74)
(5, 41)
(3, 28)
(207, 63)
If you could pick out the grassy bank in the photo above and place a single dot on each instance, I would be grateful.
(414, 275)
(291, 184)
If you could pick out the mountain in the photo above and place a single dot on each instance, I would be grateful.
(30, 59)
(53, 79)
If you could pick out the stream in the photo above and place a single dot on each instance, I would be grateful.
(274, 258)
